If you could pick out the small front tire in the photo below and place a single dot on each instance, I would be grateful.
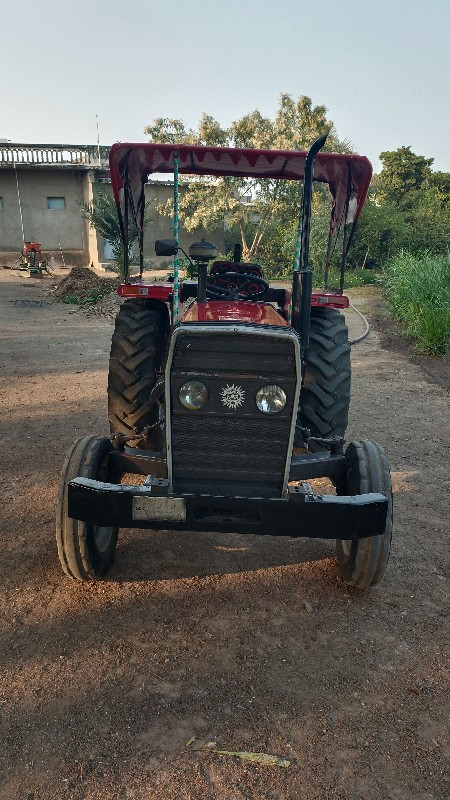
(86, 551)
(362, 562)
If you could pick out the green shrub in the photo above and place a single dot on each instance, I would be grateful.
(353, 277)
(418, 293)
(97, 293)
(92, 296)
(102, 216)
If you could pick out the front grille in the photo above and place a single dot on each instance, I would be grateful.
(240, 354)
(238, 455)
(227, 453)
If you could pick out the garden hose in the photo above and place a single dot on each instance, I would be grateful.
(366, 332)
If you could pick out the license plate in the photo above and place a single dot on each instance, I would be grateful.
(159, 508)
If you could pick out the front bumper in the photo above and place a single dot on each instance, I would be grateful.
(301, 514)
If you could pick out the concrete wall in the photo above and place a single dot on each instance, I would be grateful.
(51, 227)
(66, 229)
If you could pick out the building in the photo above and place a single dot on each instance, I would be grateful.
(42, 189)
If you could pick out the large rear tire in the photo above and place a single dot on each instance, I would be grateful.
(86, 551)
(137, 351)
(325, 394)
(363, 562)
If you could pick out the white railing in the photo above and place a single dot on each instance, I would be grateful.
(51, 154)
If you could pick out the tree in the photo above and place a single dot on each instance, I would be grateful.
(382, 231)
(278, 247)
(408, 187)
(102, 216)
(404, 174)
(429, 220)
(253, 210)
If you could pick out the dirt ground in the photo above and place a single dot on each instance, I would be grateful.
(250, 643)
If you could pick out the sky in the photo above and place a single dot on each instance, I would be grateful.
(381, 67)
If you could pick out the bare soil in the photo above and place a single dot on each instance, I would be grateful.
(252, 643)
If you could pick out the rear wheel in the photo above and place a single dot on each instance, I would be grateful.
(86, 551)
(362, 562)
(325, 393)
(137, 351)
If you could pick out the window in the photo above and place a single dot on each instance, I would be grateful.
(1, 203)
(56, 202)
(107, 250)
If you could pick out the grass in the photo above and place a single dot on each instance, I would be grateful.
(93, 297)
(418, 294)
(98, 293)
(353, 277)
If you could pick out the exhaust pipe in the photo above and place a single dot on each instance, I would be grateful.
(302, 278)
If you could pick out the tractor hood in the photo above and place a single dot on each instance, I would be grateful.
(233, 311)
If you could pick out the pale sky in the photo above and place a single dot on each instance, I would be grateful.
(382, 67)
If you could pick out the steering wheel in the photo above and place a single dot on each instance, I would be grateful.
(240, 290)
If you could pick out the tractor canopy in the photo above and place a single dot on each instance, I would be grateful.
(348, 176)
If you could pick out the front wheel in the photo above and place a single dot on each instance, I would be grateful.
(86, 551)
(363, 562)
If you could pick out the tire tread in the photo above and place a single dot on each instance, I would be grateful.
(325, 394)
(137, 349)
(368, 471)
(83, 460)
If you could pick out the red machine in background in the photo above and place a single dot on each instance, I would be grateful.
(31, 259)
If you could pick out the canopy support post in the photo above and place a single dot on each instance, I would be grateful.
(302, 282)
(329, 251)
(345, 236)
(175, 236)
(126, 189)
(343, 258)
(141, 234)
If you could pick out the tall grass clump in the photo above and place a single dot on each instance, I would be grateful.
(418, 293)
(352, 278)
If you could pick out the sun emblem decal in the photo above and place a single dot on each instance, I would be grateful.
(232, 396)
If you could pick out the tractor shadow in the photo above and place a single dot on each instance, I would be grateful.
(144, 556)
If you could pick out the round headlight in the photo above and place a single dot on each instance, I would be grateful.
(271, 399)
(193, 395)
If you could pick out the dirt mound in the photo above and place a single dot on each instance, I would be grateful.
(80, 282)
(108, 307)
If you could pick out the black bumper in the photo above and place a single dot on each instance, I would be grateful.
(301, 514)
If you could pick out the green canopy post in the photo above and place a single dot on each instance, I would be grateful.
(175, 236)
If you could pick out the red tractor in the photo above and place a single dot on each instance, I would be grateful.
(227, 395)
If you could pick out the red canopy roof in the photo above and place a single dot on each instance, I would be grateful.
(348, 176)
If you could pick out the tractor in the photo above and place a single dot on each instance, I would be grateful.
(227, 396)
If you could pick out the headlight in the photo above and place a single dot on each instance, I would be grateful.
(271, 399)
(193, 395)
